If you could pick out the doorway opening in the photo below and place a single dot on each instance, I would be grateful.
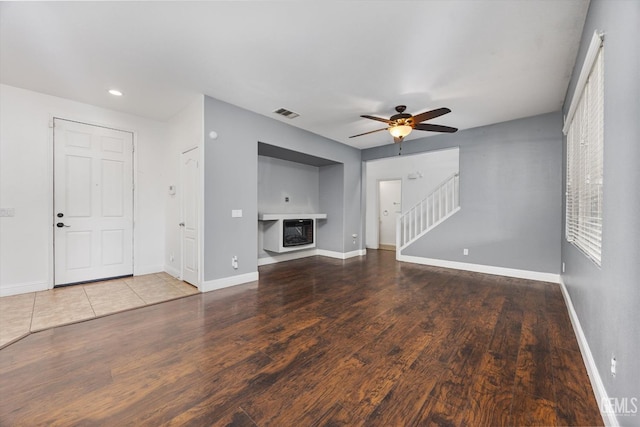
(389, 209)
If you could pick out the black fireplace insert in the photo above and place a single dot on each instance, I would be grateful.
(297, 232)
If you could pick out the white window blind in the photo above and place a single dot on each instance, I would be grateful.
(584, 129)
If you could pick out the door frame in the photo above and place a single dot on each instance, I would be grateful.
(378, 181)
(51, 193)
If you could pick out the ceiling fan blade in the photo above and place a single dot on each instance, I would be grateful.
(435, 128)
(380, 119)
(428, 115)
(367, 133)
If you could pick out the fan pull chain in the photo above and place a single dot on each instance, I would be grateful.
(400, 149)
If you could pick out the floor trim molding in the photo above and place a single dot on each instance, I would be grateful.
(608, 417)
(23, 288)
(308, 253)
(479, 268)
(172, 271)
(225, 282)
(341, 255)
(272, 259)
(139, 270)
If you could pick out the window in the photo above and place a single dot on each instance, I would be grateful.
(584, 130)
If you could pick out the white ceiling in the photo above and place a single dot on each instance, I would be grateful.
(330, 61)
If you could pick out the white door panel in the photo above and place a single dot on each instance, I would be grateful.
(79, 247)
(93, 191)
(113, 247)
(190, 187)
(112, 191)
(76, 200)
(389, 196)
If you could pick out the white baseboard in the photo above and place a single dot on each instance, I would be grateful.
(311, 252)
(478, 268)
(286, 257)
(139, 270)
(23, 288)
(225, 282)
(341, 255)
(172, 271)
(609, 417)
(358, 252)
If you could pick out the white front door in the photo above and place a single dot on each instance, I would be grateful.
(389, 196)
(93, 202)
(189, 223)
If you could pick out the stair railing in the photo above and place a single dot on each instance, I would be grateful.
(429, 212)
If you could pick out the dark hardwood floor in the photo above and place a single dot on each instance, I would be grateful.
(367, 341)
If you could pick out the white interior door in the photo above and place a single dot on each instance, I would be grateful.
(189, 224)
(389, 196)
(93, 202)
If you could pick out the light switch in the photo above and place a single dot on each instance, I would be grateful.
(236, 213)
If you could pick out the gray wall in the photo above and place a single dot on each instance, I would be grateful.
(231, 182)
(510, 195)
(329, 236)
(607, 299)
(279, 178)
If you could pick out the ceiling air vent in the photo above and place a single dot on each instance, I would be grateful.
(288, 114)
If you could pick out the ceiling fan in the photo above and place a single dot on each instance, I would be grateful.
(401, 124)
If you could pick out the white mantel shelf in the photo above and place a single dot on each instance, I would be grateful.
(280, 216)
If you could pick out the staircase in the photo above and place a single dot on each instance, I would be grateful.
(428, 213)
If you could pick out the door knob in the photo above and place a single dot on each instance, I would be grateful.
(60, 225)
(181, 224)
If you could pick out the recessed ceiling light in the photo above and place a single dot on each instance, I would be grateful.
(115, 92)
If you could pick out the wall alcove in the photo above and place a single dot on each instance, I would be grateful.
(302, 185)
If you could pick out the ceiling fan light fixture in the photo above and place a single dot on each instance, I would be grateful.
(400, 125)
(400, 131)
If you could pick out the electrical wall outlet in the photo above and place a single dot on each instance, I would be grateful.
(563, 267)
(614, 362)
(465, 251)
(234, 262)
(7, 212)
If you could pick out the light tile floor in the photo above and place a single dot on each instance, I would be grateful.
(35, 311)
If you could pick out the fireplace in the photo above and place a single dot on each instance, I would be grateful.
(297, 232)
(289, 232)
